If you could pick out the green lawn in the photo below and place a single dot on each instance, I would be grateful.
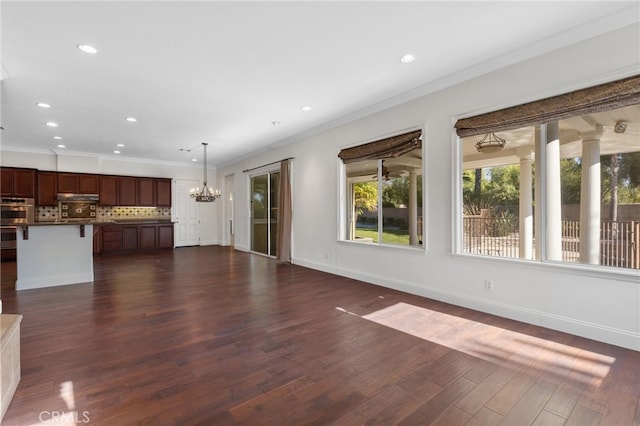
(391, 237)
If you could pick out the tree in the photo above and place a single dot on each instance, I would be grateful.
(395, 192)
(628, 178)
(614, 172)
(503, 185)
(570, 178)
(366, 196)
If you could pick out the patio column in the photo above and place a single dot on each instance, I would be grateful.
(413, 208)
(526, 203)
(553, 193)
(351, 226)
(590, 199)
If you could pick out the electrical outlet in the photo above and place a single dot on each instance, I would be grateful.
(488, 285)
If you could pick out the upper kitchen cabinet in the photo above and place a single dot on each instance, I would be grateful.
(16, 182)
(163, 192)
(88, 184)
(146, 192)
(127, 191)
(47, 189)
(108, 191)
(75, 183)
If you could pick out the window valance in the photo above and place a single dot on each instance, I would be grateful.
(616, 94)
(392, 147)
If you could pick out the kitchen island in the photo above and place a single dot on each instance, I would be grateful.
(54, 253)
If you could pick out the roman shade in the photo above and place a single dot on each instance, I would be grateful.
(603, 97)
(392, 147)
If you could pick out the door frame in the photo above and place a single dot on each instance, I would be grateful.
(186, 224)
(229, 208)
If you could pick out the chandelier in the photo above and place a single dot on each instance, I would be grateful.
(206, 194)
(490, 143)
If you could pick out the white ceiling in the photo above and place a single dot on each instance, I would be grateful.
(222, 72)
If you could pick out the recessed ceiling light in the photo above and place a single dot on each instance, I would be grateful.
(62, 146)
(194, 159)
(120, 145)
(131, 119)
(43, 105)
(86, 48)
(306, 108)
(58, 138)
(51, 124)
(405, 59)
(116, 152)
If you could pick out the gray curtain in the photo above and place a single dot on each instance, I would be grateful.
(283, 251)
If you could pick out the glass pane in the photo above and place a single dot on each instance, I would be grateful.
(599, 189)
(402, 199)
(274, 181)
(259, 214)
(362, 211)
(491, 195)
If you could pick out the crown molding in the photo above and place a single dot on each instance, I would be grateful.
(125, 159)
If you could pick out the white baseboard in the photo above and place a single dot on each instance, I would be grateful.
(618, 337)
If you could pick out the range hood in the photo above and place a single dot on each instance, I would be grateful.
(78, 197)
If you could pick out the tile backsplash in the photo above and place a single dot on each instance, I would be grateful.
(112, 213)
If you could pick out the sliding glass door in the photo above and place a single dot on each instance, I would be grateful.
(264, 212)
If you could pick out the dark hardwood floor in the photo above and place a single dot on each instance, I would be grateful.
(211, 336)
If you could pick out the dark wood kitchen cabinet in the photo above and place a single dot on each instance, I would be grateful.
(148, 237)
(127, 191)
(67, 183)
(140, 236)
(111, 238)
(165, 236)
(130, 238)
(108, 191)
(77, 183)
(163, 192)
(88, 184)
(97, 239)
(6, 182)
(47, 189)
(17, 182)
(146, 192)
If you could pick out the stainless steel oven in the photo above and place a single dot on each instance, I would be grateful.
(8, 237)
(16, 211)
(13, 212)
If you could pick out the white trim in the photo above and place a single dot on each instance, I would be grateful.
(592, 271)
(457, 202)
(343, 190)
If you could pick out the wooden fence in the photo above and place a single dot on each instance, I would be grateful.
(619, 241)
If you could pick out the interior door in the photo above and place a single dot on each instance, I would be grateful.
(264, 212)
(186, 215)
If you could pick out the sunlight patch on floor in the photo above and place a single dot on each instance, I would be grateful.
(495, 344)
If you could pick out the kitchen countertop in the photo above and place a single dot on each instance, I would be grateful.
(100, 222)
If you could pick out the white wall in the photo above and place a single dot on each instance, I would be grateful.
(597, 305)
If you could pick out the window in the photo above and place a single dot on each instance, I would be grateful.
(565, 189)
(384, 191)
